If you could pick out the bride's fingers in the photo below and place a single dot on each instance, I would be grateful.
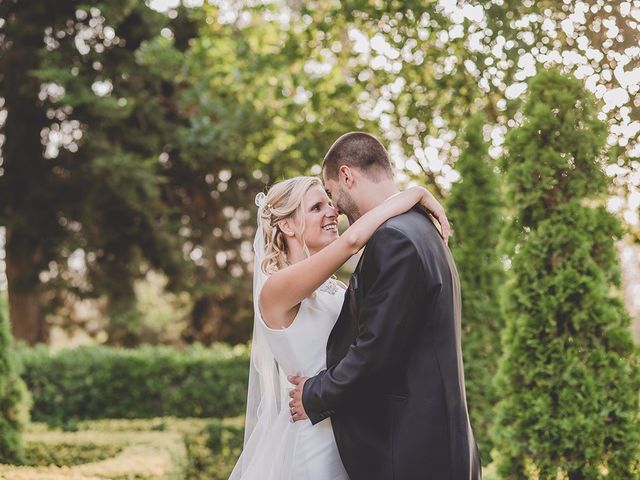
(445, 228)
(298, 416)
(436, 221)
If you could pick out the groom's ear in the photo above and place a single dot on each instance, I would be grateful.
(346, 175)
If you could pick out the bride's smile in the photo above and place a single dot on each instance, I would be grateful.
(320, 219)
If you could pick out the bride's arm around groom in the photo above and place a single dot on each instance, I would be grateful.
(395, 281)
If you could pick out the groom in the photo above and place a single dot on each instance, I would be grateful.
(394, 383)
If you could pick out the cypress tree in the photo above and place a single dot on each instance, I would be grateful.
(474, 207)
(568, 378)
(14, 398)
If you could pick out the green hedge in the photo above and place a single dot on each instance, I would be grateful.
(161, 448)
(41, 454)
(101, 382)
(214, 450)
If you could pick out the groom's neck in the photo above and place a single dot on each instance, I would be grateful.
(376, 193)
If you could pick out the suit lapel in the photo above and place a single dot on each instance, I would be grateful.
(345, 329)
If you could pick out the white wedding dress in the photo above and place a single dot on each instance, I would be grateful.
(296, 451)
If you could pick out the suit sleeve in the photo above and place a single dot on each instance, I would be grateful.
(396, 279)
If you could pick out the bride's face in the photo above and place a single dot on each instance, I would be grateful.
(321, 219)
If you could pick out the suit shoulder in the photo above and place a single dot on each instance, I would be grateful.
(389, 229)
(411, 223)
(405, 221)
(414, 225)
(397, 229)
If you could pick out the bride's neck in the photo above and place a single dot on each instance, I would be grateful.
(296, 252)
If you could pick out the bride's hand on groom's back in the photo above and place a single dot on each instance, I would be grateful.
(296, 408)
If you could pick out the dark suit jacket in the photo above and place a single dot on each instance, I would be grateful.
(394, 386)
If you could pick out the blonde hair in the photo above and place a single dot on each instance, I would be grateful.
(284, 200)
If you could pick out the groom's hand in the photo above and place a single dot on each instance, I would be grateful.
(295, 405)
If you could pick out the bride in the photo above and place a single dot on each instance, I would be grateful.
(296, 303)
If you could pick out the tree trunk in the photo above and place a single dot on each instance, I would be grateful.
(25, 306)
(124, 328)
(27, 320)
(204, 325)
(25, 209)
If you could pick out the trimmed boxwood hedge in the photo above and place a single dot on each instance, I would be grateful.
(100, 382)
(161, 448)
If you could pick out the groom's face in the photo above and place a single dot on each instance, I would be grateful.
(341, 198)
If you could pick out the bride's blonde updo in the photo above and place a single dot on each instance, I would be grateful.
(283, 200)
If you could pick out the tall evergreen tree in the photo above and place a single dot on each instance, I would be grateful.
(474, 205)
(125, 225)
(85, 125)
(153, 134)
(568, 379)
(28, 218)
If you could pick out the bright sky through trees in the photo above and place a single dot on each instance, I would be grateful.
(625, 132)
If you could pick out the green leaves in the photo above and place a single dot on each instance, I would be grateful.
(15, 400)
(100, 382)
(474, 206)
(167, 120)
(568, 377)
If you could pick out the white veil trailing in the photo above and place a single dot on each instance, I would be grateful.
(266, 382)
(262, 369)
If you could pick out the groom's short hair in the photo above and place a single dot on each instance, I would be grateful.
(359, 150)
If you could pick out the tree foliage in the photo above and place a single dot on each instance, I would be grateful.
(135, 140)
(254, 114)
(568, 378)
(474, 207)
(88, 184)
(426, 65)
(156, 136)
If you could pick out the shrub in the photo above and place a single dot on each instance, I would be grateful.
(101, 382)
(474, 207)
(137, 455)
(159, 448)
(568, 379)
(214, 450)
(14, 398)
(67, 453)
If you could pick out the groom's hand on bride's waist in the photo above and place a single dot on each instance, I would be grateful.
(296, 409)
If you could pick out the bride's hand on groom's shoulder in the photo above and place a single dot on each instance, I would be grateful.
(436, 211)
(296, 408)
(445, 227)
